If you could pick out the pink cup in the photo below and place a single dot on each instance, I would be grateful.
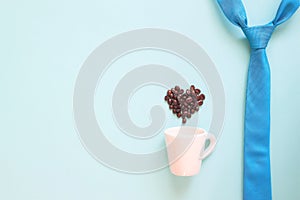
(186, 152)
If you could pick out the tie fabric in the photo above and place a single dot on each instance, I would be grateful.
(257, 173)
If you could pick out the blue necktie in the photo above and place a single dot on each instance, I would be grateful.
(257, 173)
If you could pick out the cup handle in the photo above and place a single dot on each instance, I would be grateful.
(210, 148)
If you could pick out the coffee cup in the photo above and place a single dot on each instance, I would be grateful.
(186, 149)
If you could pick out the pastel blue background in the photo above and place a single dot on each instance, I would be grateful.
(44, 43)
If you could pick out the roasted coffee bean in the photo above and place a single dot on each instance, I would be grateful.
(175, 102)
(189, 100)
(166, 98)
(178, 114)
(189, 115)
(188, 92)
(174, 110)
(183, 120)
(169, 92)
(177, 88)
(171, 106)
(192, 88)
(169, 101)
(192, 111)
(200, 103)
(202, 96)
(197, 91)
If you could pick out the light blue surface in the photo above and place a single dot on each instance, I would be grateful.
(44, 43)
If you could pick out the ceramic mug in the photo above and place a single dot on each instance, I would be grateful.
(186, 153)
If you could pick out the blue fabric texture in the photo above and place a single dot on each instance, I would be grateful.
(257, 172)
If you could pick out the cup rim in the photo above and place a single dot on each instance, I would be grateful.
(170, 131)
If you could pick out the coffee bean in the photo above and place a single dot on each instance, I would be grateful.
(197, 91)
(183, 120)
(169, 92)
(200, 103)
(189, 100)
(192, 87)
(178, 114)
(177, 88)
(192, 111)
(174, 110)
(189, 115)
(171, 106)
(169, 101)
(175, 102)
(166, 98)
(202, 96)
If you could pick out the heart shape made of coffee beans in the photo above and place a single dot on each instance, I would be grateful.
(184, 103)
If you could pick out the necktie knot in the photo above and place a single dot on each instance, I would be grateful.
(258, 36)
